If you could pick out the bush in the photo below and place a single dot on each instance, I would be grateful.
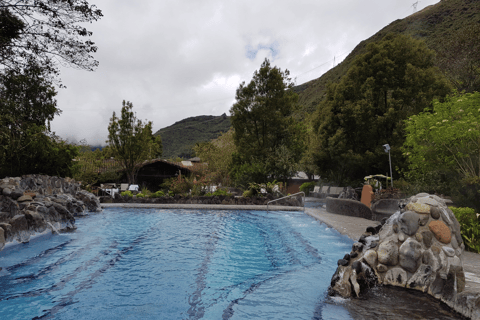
(157, 194)
(178, 185)
(221, 192)
(140, 195)
(469, 227)
(127, 193)
(307, 187)
(247, 193)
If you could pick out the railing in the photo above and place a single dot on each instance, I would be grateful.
(292, 195)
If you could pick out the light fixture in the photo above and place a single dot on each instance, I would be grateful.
(386, 147)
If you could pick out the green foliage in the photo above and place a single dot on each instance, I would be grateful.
(243, 173)
(445, 27)
(307, 187)
(247, 193)
(126, 193)
(141, 195)
(220, 192)
(265, 130)
(146, 192)
(27, 105)
(447, 138)
(95, 167)
(158, 194)
(393, 80)
(179, 138)
(469, 227)
(199, 185)
(132, 141)
(217, 154)
(459, 56)
(178, 185)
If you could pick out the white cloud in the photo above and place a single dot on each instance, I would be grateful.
(177, 59)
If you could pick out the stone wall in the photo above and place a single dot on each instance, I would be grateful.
(419, 247)
(226, 200)
(348, 207)
(34, 203)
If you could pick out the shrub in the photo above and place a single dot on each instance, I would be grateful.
(157, 194)
(247, 193)
(307, 187)
(140, 195)
(221, 192)
(127, 193)
(178, 185)
(469, 227)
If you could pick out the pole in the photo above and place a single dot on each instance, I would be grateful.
(390, 161)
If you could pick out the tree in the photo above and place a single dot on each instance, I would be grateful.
(262, 121)
(393, 80)
(218, 155)
(27, 105)
(446, 138)
(47, 32)
(444, 145)
(132, 141)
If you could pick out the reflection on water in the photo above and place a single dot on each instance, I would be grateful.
(388, 302)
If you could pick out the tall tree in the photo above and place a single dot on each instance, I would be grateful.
(47, 32)
(27, 105)
(394, 79)
(132, 141)
(218, 156)
(261, 118)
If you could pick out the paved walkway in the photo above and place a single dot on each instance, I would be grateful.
(354, 227)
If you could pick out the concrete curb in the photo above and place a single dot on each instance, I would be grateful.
(201, 206)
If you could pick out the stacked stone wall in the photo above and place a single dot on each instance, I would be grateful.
(420, 247)
(34, 203)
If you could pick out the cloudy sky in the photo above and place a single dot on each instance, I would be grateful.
(175, 59)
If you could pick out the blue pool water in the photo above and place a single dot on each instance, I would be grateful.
(176, 264)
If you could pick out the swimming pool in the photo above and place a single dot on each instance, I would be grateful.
(176, 264)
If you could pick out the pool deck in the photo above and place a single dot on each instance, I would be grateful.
(200, 206)
(354, 227)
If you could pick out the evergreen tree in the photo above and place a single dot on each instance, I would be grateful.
(394, 79)
(263, 125)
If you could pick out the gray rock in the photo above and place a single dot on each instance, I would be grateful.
(25, 198)
(388, 252)
(424, 218)
(382, 268)
(427, 237)
(409, 255)
(396, 277)
(429, 259)
(422, 279)
(17, 193)
(2, 238)
(7, 191)
(448, 251)
(435, 212)
(409, 222)
(370, 257)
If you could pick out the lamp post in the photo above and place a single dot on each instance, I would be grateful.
(386, 147)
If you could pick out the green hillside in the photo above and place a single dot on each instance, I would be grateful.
(450, 27)
(179, 138)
